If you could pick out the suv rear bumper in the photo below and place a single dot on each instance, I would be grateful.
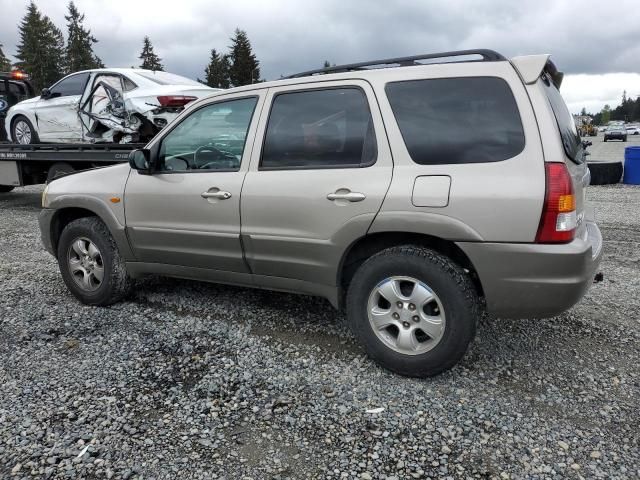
(523, 280)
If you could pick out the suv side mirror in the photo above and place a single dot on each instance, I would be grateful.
(46, 93)
(140, 160)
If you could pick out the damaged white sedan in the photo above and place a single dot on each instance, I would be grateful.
(116, 105)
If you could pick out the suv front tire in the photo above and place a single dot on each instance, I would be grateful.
(413, 309)
(90, 263)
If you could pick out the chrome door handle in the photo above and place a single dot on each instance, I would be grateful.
(220, 194)
(347, 195)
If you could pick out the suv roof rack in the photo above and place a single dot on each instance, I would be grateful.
(487, 56)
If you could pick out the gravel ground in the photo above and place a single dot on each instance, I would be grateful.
(189, 380)
(602, 151)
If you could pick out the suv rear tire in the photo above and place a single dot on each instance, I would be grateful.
(424, 306)
(90, 263)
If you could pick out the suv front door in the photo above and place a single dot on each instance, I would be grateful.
(317, 182)
(187, 213)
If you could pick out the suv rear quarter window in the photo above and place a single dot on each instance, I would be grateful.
(457, 120)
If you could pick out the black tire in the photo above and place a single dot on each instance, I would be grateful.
(624, 139)
(445, 278)
(116, 282)
(605, 139)
(59, 170)
(605, 173)
(6, 188)
(34, 133)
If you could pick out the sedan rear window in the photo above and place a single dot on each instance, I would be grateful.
(457, 120)
(164, 78)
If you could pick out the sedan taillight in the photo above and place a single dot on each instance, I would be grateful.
(175, 100)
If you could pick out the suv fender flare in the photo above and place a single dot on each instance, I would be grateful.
(426, 223)
(100, 210)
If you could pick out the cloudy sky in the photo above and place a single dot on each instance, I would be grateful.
(597, 43)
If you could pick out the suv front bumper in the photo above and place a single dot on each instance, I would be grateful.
(524, 280)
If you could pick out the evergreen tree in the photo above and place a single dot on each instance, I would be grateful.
(79, 51)
(217, 72)
(41, 48)
(245, 68)
(606, 115)
(5, 64)
(150, 60)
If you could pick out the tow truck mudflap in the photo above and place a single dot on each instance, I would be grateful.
(10, 174)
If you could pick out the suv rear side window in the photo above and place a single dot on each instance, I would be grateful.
(457, 120)
(329, 128)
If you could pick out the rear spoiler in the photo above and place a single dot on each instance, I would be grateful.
(530, 67)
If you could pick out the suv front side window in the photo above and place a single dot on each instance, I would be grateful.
(330, 128)
(211, 138)
(72, 85)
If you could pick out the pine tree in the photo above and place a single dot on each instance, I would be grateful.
(79, 51)
(5, 63)
(245, 68)
(217, 72)
(41, 48)
(606, 115)
(150, 60)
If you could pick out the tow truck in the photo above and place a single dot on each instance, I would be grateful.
(22, 165)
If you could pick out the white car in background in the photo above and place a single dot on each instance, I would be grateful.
(633, 129)
(115, 105)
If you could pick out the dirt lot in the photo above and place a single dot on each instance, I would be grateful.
(189, 380)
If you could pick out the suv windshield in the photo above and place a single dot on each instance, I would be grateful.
(567, 127)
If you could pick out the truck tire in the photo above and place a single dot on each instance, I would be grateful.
(6, 188)
(58, 170)
(413, 310)
(22, 131)
(90, 263)
(605, 173)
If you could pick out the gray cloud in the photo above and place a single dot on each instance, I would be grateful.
(289, 36)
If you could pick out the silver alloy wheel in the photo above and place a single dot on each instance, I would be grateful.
(406, 315)
(85, 264)
(22, 131)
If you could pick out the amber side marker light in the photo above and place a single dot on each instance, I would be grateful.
(114, 199)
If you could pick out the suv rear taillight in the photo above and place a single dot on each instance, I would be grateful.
(559, 220)
(175, 100)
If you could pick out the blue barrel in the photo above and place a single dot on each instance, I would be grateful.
(631, 166)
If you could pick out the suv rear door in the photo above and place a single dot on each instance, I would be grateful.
(316, 181)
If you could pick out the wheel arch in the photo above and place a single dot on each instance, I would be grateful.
(64, 214)
(368, 245)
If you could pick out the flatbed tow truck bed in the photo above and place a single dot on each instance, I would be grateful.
(22, 165)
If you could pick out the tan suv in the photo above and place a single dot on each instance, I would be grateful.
(414, 192)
